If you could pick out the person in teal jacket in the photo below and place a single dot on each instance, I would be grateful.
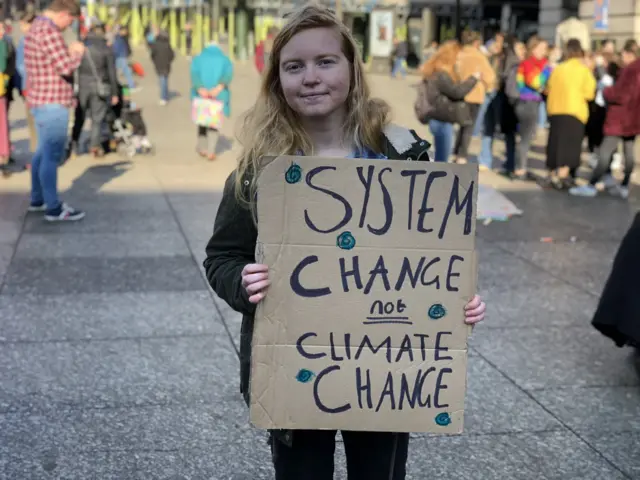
(211, 74)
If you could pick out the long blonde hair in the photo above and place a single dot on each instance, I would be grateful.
(271, 127)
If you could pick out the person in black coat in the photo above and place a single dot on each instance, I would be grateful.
(162, 56)
(97, 89)
(618, 312)
(303, 124)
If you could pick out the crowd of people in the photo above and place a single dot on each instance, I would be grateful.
(57, 79)
(509, 88)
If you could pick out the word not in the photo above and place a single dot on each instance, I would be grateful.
(385, 313)
(413, 272)
(354, 350)
(460, 199)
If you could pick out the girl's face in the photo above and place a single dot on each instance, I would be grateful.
(314, 73)
(627, 58)
(541, 50)
(24, 27)
(520, 49)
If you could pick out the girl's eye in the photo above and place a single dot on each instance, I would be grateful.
(292, 67)
(326, 61)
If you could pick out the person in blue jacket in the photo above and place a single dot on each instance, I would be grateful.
(211, 74)
(122, 52)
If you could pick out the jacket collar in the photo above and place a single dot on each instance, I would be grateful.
(400, 138)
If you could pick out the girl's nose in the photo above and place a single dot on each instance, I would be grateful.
(310, 76)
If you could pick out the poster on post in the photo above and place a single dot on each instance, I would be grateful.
(371, 264)
(381, 33)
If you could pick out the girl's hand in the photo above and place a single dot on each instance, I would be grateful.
(203, 93)
(255, 280)
(474, 311)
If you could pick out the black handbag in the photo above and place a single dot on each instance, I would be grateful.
(103, 89)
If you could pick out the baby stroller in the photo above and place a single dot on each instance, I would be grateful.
(127, 128)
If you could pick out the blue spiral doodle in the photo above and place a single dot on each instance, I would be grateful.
(304, 375)
(293, 173)
(346, 241)
(437, 311)
(443, 419)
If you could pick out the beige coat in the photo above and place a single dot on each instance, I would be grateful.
(573, 28)
(470, 61)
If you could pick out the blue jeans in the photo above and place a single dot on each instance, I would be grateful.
(480, 121)
(52, 124)
(122, 64)
(398, 66)
(164, 87)
(542, 115)
(442, 138)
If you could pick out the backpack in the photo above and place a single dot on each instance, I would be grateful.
(511, 85)
(423, 106)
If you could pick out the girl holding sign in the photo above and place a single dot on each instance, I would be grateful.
(314, 100)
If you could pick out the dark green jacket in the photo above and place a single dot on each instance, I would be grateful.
(233, 245)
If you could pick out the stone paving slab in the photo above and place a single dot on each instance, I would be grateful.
(595, 409)
(552, 456)
(621, 449)
(559, 304)
(554, 357)
(104, 316)
(118, 372)
(58, 276)
(585, 265)
(107, 245)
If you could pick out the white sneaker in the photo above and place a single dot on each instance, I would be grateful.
(587, 190)
(593, 160)
(64, 213)
(162, 103)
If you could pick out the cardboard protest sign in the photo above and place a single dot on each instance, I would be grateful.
(371, 264)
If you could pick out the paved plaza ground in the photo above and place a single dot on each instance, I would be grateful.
(118, 362)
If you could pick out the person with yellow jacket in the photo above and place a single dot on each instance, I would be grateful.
(471, 61)
(571, 87)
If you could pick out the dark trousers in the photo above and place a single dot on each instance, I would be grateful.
(607, 148)
(370, 455)
(465, 132)
(595, 126)
(527, 113)
(97, 109)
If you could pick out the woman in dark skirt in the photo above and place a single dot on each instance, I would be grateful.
(618, 313)
(572, 86)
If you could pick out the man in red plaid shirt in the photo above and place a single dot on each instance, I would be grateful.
(50, 65)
